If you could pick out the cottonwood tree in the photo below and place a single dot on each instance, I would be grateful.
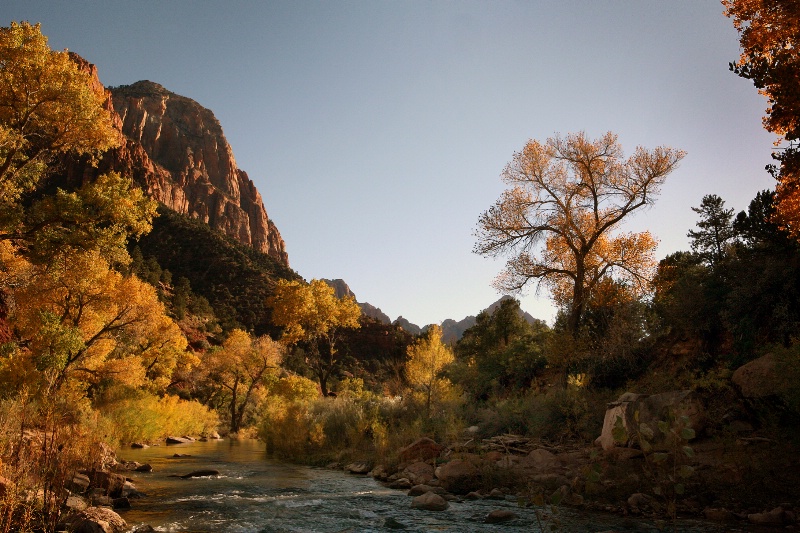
(558, 219)
(427, 357)
(48, 107)
(769, 36)
(313, 317)
(715, 231)
(238, 370)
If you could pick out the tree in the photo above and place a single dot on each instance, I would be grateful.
(427, 357)
(239, 368)
(502, 351)
(716, 231)
(312, 318)
(48, 107)
(78, 319)
(769, 36)
(567, 197)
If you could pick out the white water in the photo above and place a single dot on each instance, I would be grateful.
(254, 494)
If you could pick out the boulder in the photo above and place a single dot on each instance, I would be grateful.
(458, 476)
(423, 449)
(718, 514)
(498, 516)
(139, 445)
(776, 517)
(651, 409)
(79, 483)
(112, 484)
(144, 468)
(400, 484)
(418, 490)
(358, 468)
(76, 503)
(97, 520)
(760, 378)
(418, 472)
(542, 461)
(391, 523)
(429, 502)
(177, 440)
(200, 473)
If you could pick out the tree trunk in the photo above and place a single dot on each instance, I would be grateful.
(234, 421)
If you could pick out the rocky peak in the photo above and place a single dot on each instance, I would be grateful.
(176, 150)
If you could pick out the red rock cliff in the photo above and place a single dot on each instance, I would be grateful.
(176, 150)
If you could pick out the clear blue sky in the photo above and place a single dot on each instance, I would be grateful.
(376, 130)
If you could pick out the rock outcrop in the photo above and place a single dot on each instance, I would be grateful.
(175, 149)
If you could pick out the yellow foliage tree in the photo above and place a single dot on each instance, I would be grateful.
(81, 319)
(48, 107)
(427, 357)
(312, 317)
(238, 370)
(567, 197)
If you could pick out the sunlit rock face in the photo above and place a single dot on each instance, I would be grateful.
(176, 150)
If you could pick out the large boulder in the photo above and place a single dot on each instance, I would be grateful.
(459, 476)
(418, 472)
(111, 483)
(541, 461)
(177, 440)
(651, 409)
(429, 502)
(423, 449)
(96, 520)
(760, 378)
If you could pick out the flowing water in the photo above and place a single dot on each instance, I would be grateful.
(256, 494)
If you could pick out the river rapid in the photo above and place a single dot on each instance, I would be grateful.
(254, 493)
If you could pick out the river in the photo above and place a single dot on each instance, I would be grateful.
(254, 493)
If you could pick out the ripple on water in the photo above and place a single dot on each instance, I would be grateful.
(253, 494)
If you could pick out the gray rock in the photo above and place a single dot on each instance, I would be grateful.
(177, 440)
(391, 523)
(400, 484)
(358, 468)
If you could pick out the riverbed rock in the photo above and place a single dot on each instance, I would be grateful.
(496, 494)
(97, 520)
(144, 468)
(400, 484)
(200, 473)
(776, 517)
(121, 503)
(430, 502)
(499, 516)
(391, 523)
(418, 472)
(359, 468)
(541, 461)
(177, 440)
(423, 449)
(459, 476)
(76, 502)
(718, 514)
(139, 445)
(418, 490)
(110, 482)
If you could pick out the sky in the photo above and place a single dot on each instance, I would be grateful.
(376, 130)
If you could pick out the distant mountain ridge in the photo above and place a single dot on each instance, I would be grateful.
(452, 330)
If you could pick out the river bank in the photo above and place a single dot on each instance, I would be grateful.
(255, 493)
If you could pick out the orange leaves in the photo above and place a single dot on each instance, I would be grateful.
(557, 222)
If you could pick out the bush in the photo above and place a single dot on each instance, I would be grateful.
(141, 416)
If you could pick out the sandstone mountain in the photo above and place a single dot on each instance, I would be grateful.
(175, 149)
